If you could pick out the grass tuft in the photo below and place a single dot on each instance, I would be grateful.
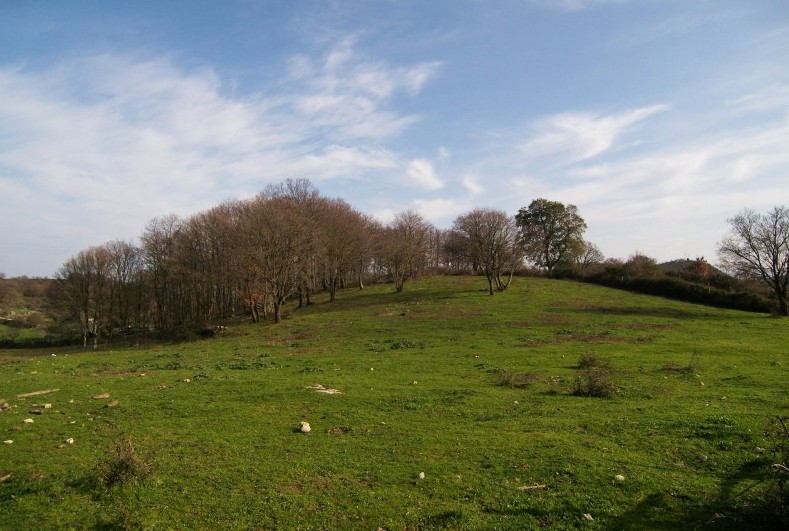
(122, 465)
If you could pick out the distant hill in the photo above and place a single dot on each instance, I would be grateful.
(683, 265)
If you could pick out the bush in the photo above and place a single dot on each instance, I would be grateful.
(595, 382)
(589, 360)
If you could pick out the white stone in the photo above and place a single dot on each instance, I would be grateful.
(304, 427)
(69, 441)
(619, 477)
(421, 475)
(8, 441)
(28, 421)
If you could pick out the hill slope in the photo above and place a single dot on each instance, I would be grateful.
(476, 392)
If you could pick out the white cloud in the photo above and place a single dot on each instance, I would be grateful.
(470, 183)
(422, 173)
(111, 141)
(572, 137)
(441, 212)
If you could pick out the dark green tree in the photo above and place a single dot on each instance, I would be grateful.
(552, 233)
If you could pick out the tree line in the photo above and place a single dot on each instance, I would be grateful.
(252, 256)
(249, 257)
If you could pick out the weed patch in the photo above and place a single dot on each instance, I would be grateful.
(122, 465)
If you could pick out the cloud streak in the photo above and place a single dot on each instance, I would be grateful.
(122, 138)
(568, 138)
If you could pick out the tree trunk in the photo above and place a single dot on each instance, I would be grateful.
(278, 310)
(783, 306)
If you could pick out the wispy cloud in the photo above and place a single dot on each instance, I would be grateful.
(569, 138)
(124, 138)
(422, 173)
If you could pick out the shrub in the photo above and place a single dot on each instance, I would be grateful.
(589, 360)
(595, 382)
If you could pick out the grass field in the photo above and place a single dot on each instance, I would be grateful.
(475, 392)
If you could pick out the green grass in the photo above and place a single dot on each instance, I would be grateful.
(420, 375)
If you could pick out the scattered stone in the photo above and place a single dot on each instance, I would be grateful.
(4, 405)
(414, 382)
(421, 475)
(588, 517)
(70, 441)
(187, 380)
(703, 458)
(619, 477)
(759, 450)
(112, 404)
(36, 412)
(5, 478)
(102, 396)
(36, 393)
(304, 427)
(28, 421)
(8, 441)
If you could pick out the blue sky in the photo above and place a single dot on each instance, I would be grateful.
(659, 119)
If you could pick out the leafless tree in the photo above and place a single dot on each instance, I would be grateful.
(403, 247)
(492, 243)
(757, 247)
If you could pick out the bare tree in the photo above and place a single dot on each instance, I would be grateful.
(402, 246)
(341, 233)
(83, 281)
(757, 247)
(491, 242)
(589, 257)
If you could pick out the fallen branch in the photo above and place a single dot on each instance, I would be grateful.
(36, 393)
(531, 487)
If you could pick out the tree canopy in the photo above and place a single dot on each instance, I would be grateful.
(552, 233)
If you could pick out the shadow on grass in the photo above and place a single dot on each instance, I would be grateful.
(651, 311)
(731, 509)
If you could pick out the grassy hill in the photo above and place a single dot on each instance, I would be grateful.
(483, 395)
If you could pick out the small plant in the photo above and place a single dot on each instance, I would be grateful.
(595, 382)
(122, 464)
(514, 380)
(589, 360)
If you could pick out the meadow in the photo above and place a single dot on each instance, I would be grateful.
(555, 405)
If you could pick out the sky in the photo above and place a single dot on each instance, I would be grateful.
(658, 119)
